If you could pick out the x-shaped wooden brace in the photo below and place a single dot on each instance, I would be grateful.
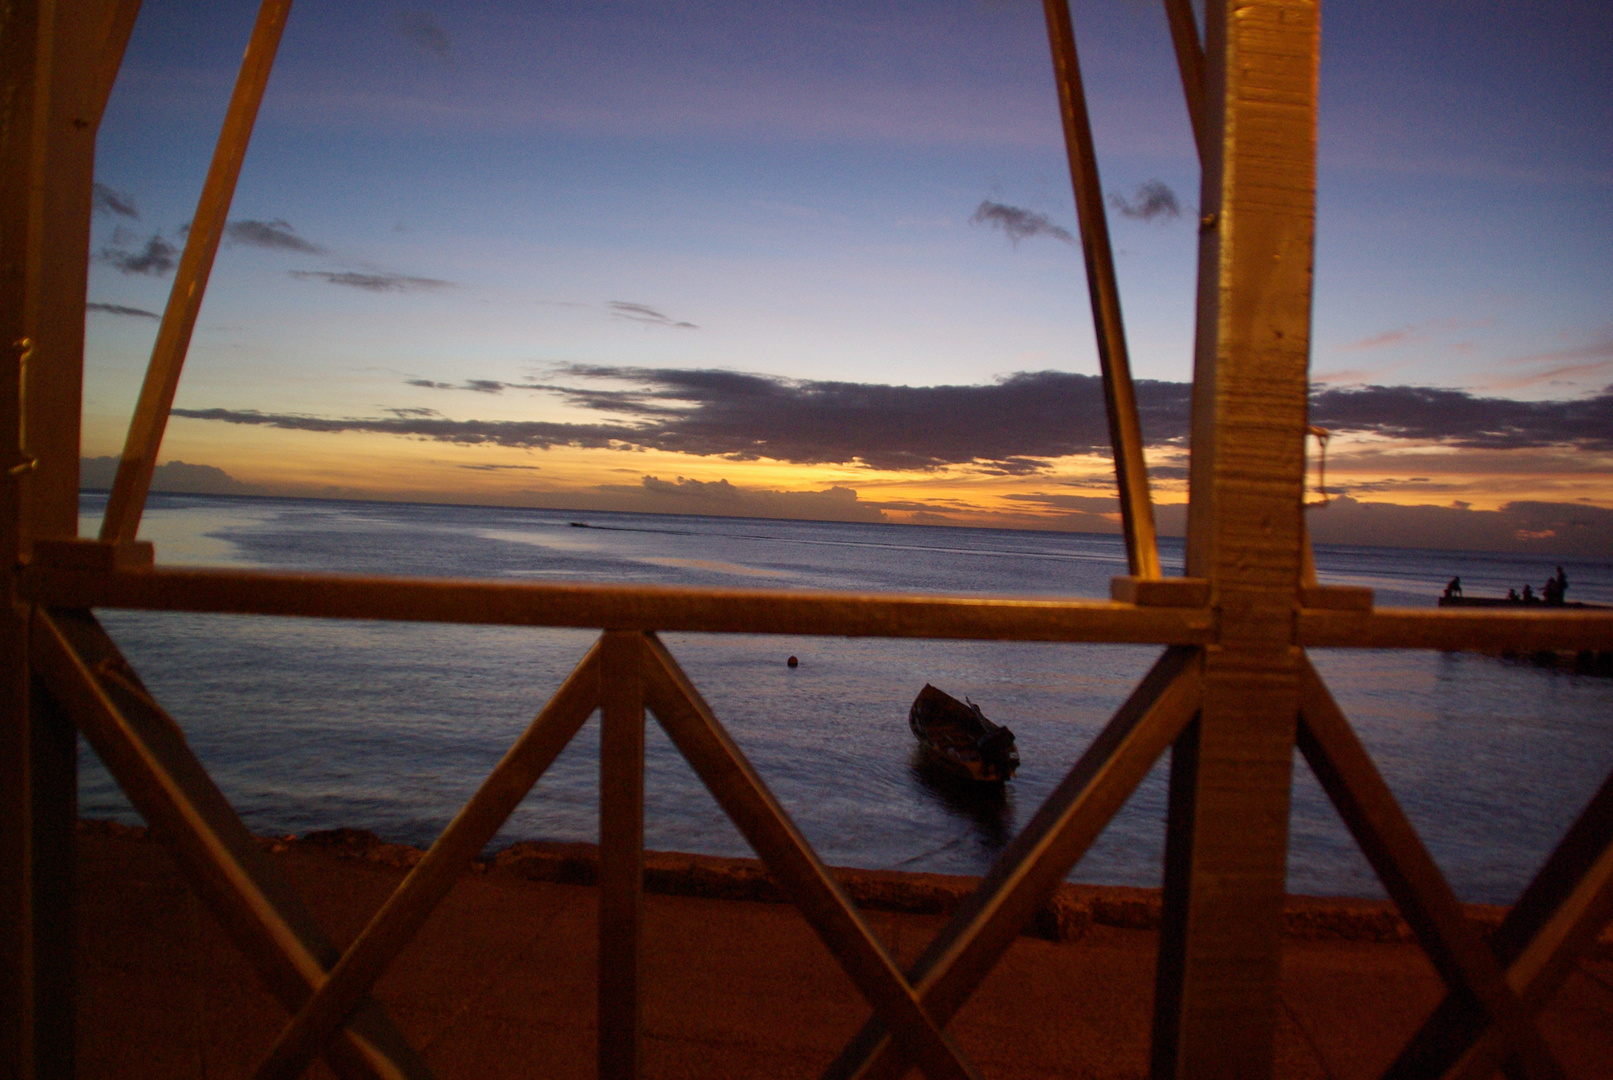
(1488, 1017)
(83, 672)
(737, 789)
(1555, 919)
(1412, 879)
(1476, 1028)
(1032, 866)
(145, 751)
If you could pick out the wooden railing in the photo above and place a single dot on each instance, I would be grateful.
(629, 672)
(1231, 697)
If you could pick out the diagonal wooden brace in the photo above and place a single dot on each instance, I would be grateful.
(143, 748)
(1190, 64)
(406, 910)
(1031, 868)
(1554, 921)
(127, 499)
(732, 781)
(1409, 873)
(1119, 393)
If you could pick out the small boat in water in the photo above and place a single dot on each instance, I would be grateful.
(960, 737)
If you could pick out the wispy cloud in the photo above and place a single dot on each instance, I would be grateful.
(1582, 363)
(276, 235)
(1398, 336)
(1346, 376)
(119, 309)
(1017, 222)
(425, 32)
(1152, 200)
(380, 282)
(1413, 333)
(105, 200)
(157, 258)
(478, 386)
(643, 313)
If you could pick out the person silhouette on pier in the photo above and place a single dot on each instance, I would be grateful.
(1453, 588)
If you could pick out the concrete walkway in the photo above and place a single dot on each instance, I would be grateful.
(501, 984)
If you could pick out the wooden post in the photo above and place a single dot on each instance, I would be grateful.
(621, 850)
(53, 885)
(21, 39)
(55, 58)
(67, 113)
(1218, 975)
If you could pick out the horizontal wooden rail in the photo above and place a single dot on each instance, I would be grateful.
(761, 611)
(647, 608)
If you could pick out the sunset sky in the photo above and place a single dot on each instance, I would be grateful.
(815, 260)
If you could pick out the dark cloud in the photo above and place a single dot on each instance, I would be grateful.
(1458, 418)
(1013, 426)
(1018, 222)
(425, 32)
(119, 309)
(384, 282)
(642, 313)
(533, 434)
(499, 468)
(1153, 200)
(104, 200)
(157, 258)
(478, 386)
(276, 235)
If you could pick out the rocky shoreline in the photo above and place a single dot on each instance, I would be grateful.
(1073, 909)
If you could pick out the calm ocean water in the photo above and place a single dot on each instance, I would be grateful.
(312, 723)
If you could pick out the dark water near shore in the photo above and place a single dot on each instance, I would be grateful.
(311, 723)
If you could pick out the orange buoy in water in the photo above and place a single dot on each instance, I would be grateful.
(793, 662)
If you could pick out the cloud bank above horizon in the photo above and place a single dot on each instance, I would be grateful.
(1017, 425)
